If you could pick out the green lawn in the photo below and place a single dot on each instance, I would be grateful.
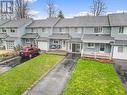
(16, 81)
(94, 78)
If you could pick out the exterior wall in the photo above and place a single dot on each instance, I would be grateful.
(118, 36)
(75, 32)
(118, 55)
(96, 48)
(61, 30)
(43, 32)
(29, 42)
(88, 30)
(2, 44)
(105, 30)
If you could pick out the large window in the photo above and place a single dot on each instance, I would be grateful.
(90, 45)
(97, 29)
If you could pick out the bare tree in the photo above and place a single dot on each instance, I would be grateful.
(51, 9)
(21, 7)
(60, 14)
(98, 7)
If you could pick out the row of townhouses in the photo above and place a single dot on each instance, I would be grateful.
(98, 36)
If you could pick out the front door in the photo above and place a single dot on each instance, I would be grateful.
(102, 48)
(76, 48)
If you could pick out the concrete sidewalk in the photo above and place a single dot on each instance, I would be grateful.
(55, 81)
(4, 69)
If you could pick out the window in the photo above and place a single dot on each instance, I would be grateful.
(12, 31)
(91, 45)
(28, 41)
(102, 47)
(10, 44)
(120, 49)
(3, 30)
(56, 42)
(97, 29)
(121, 29)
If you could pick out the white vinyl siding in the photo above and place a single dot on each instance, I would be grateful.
(120, 52)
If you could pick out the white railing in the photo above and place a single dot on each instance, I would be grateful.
(97, 55)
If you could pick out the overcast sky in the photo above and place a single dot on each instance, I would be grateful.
(75, 7)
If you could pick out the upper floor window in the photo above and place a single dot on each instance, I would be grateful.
(12, 31)
(97, 29)
(121, 30)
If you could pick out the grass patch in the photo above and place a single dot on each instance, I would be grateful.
(94, 78)
(16, 81)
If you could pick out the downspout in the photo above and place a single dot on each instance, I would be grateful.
(112, 46)
(52, 27)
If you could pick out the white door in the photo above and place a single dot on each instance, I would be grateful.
(10, 45)
(43, 45)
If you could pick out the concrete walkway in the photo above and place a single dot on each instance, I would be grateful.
(55, 81)
(4, 69)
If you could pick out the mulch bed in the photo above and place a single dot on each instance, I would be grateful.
(109, 61)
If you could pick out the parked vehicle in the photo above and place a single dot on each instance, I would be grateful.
(55, 46)
(29, 52)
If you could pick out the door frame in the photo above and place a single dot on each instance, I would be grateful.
(80, 44)
(100, 47)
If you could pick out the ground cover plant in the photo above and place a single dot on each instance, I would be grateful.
(6, 54)
(18, 79)
(94, 78)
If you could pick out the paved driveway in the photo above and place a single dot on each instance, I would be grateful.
(121, 67)
(120, 63)
(4, 69)
(55, 81)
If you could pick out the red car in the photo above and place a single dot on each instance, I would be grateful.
(29, 52)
